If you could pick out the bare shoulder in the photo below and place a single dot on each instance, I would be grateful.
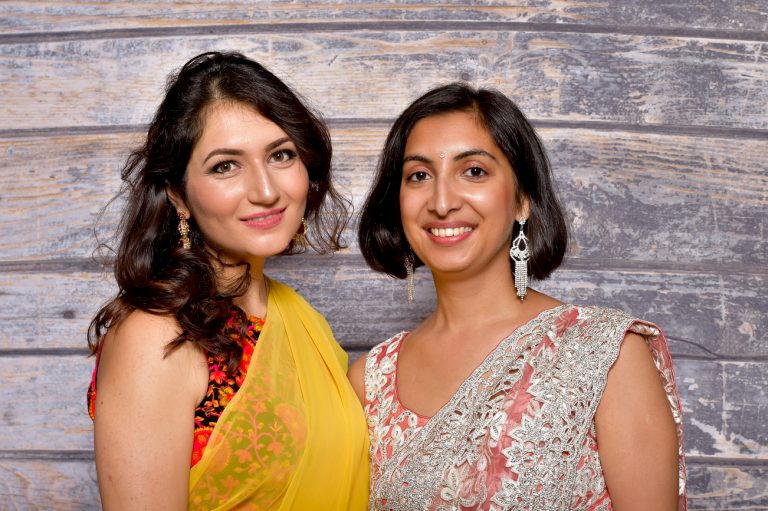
(635, 361)
(135, 350)
(636, 434)
(145, 403)
(356, 375)
(634, 378)
(141, 331)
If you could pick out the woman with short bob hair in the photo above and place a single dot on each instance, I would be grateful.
(382, 240)
(219, 388)
(504, 397)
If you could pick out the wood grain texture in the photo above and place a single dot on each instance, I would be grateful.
(49, 311)
(40, 16)
(691, 201)
(644, 80)
(654, 113)
(54, 387)
(28, 485)
(717, 317)
(704, 316)
(727, 488)
(52, 412)
(720, 405)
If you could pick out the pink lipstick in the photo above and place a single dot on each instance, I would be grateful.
(265, 219)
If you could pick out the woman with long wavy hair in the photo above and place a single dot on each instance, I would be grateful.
(216, 387)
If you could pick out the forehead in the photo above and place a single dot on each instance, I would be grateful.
(453, 125)
(223, 119)
(452, 129)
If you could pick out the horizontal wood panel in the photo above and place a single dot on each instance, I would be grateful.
(28, 485)
(721, 403)
(727, 488)
(50, 311)
(49, 406)
(704, 316)
(633, 79)
(630, 197)
(53, 411)
(41, 16)
(62, 485)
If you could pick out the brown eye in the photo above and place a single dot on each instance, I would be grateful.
(224, 167)
(282, 156)
(419, 175)
(475, 172)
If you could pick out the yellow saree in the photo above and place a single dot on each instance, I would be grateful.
(294, 437)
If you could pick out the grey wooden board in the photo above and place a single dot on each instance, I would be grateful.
(720, 317)
(70, 485)
(654, 114)
(46, 485)
(727, 488)
(41, 16)
(49, 410)
(557, 76)
(721, 402)
(45, 311)
(719, 417)
(710, 316)
(679, 201)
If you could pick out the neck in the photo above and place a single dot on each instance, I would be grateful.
(488, 296)
(254, 300)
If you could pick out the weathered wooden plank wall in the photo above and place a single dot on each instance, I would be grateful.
(655, 115)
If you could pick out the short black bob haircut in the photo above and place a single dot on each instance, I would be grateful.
(381, 236)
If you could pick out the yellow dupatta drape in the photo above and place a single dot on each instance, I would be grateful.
(294, 437)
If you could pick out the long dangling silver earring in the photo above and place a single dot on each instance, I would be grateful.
(520, 254)
(410, 285)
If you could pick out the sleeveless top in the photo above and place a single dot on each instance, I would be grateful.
(293, 436)
(223, 383)
(519, 433)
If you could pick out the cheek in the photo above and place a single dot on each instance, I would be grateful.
(407, 207)
(211, 199)
(296, 185)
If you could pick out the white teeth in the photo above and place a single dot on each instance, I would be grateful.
(447, 233)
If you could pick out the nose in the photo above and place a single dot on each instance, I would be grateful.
(261, 186)
(444, 198)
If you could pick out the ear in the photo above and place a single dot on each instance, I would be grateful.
(177, 201)
(525, 208)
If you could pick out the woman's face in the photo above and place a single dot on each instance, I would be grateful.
(246, 187)
(457, 196)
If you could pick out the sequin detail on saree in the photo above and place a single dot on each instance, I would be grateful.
(519, 433)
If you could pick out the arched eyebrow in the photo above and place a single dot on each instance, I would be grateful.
(277, 143)
(473, 152)
(458, 157)
(417, 157)
(239, 152)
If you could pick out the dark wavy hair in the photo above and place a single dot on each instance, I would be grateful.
(380, 233)
(153, 273)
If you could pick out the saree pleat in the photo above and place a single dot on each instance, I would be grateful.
(294, 436)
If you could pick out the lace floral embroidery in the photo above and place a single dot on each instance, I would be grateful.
(519, 433)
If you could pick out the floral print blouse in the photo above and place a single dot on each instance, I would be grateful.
(223, 383)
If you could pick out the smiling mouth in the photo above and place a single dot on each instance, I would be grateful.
(450, 232)
(265, 220)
